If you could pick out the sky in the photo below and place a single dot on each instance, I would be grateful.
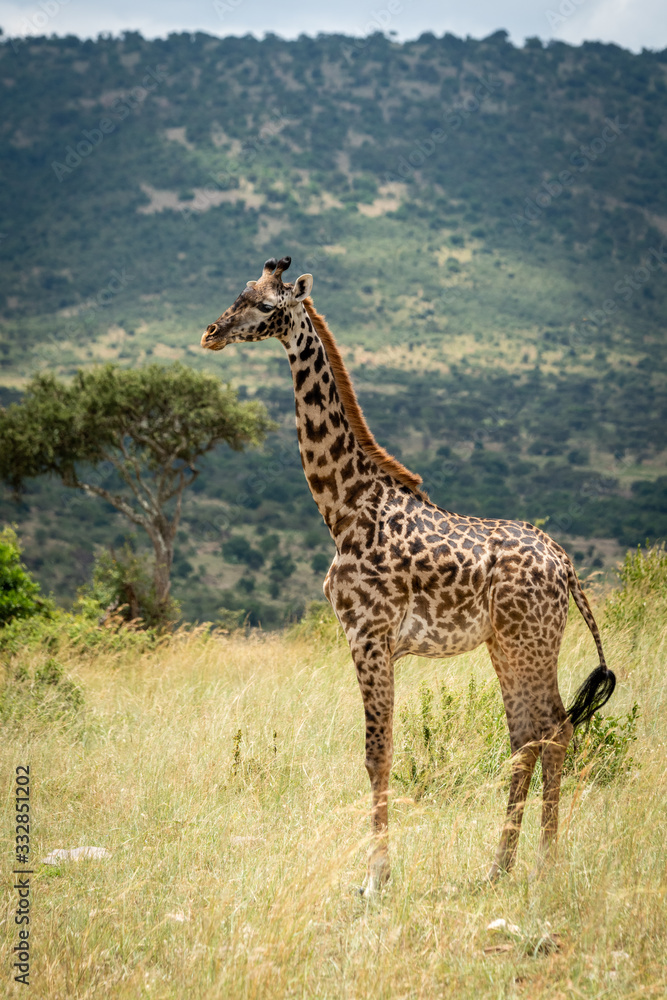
(633, 24)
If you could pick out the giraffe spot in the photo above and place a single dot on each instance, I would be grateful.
(308, 350)
(314, 397)
(347, 471)
(316, 433)
(337, 448)
(319, 361)
(321, 483)
(416, 546)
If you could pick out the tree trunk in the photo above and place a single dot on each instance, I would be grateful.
(164, 555)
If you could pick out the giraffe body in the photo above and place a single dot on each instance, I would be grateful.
(410, 577)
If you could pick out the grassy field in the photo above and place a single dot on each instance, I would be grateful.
(225, 775)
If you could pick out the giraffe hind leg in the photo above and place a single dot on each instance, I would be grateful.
(538, 724)
(553, 758)
(523, 764)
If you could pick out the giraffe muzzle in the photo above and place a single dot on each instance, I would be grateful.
(214, 338)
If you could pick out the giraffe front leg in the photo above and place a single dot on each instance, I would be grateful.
(375, 673)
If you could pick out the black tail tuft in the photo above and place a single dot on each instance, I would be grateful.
(595, 692)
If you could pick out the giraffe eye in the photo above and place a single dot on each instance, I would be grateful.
(265, 307)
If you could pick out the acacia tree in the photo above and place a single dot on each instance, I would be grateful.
(150, 424)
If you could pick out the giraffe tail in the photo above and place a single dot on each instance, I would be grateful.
(599, 686)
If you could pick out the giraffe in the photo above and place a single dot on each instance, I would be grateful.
(411, 577)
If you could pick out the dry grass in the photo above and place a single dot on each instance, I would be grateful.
(235, 865)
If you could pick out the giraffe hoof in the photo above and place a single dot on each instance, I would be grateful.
(370, 894)
(375, 882)
(495, 872)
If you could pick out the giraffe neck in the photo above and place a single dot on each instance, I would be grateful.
(338, 469)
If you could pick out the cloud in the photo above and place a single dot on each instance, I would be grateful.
(634, 24)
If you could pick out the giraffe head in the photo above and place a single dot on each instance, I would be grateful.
(261, 310)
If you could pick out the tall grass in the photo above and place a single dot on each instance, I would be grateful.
(225, 775)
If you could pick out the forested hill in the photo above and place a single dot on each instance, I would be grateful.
(487, 228)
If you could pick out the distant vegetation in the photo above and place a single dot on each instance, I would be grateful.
(487, 228)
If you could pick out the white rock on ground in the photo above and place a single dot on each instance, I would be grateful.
(75, 854)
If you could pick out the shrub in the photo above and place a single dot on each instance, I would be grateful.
(237, 550)
(318, 624)
(231, 619)
(605, 748)
(282, 567)
(123, 589)
(79, 631)
(45, 692)
(644, 588)
(19, 594)
(447, 742)
(320, 562)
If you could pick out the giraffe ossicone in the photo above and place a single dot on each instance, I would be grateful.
(411, 577)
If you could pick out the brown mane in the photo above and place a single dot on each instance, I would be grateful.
(353, 411)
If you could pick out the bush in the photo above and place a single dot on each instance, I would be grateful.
(605, 748)
(320, 562)
(123, 589)
(237, 550)
(19, 594)
(318, 624)
(231, 619)
(643, 591)
(75, 632)
(282, 567)
(45, 692)
(447, 742)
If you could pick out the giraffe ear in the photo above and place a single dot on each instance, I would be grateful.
(250, 284)
(303, 286)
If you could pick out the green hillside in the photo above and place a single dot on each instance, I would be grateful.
(487, 228)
